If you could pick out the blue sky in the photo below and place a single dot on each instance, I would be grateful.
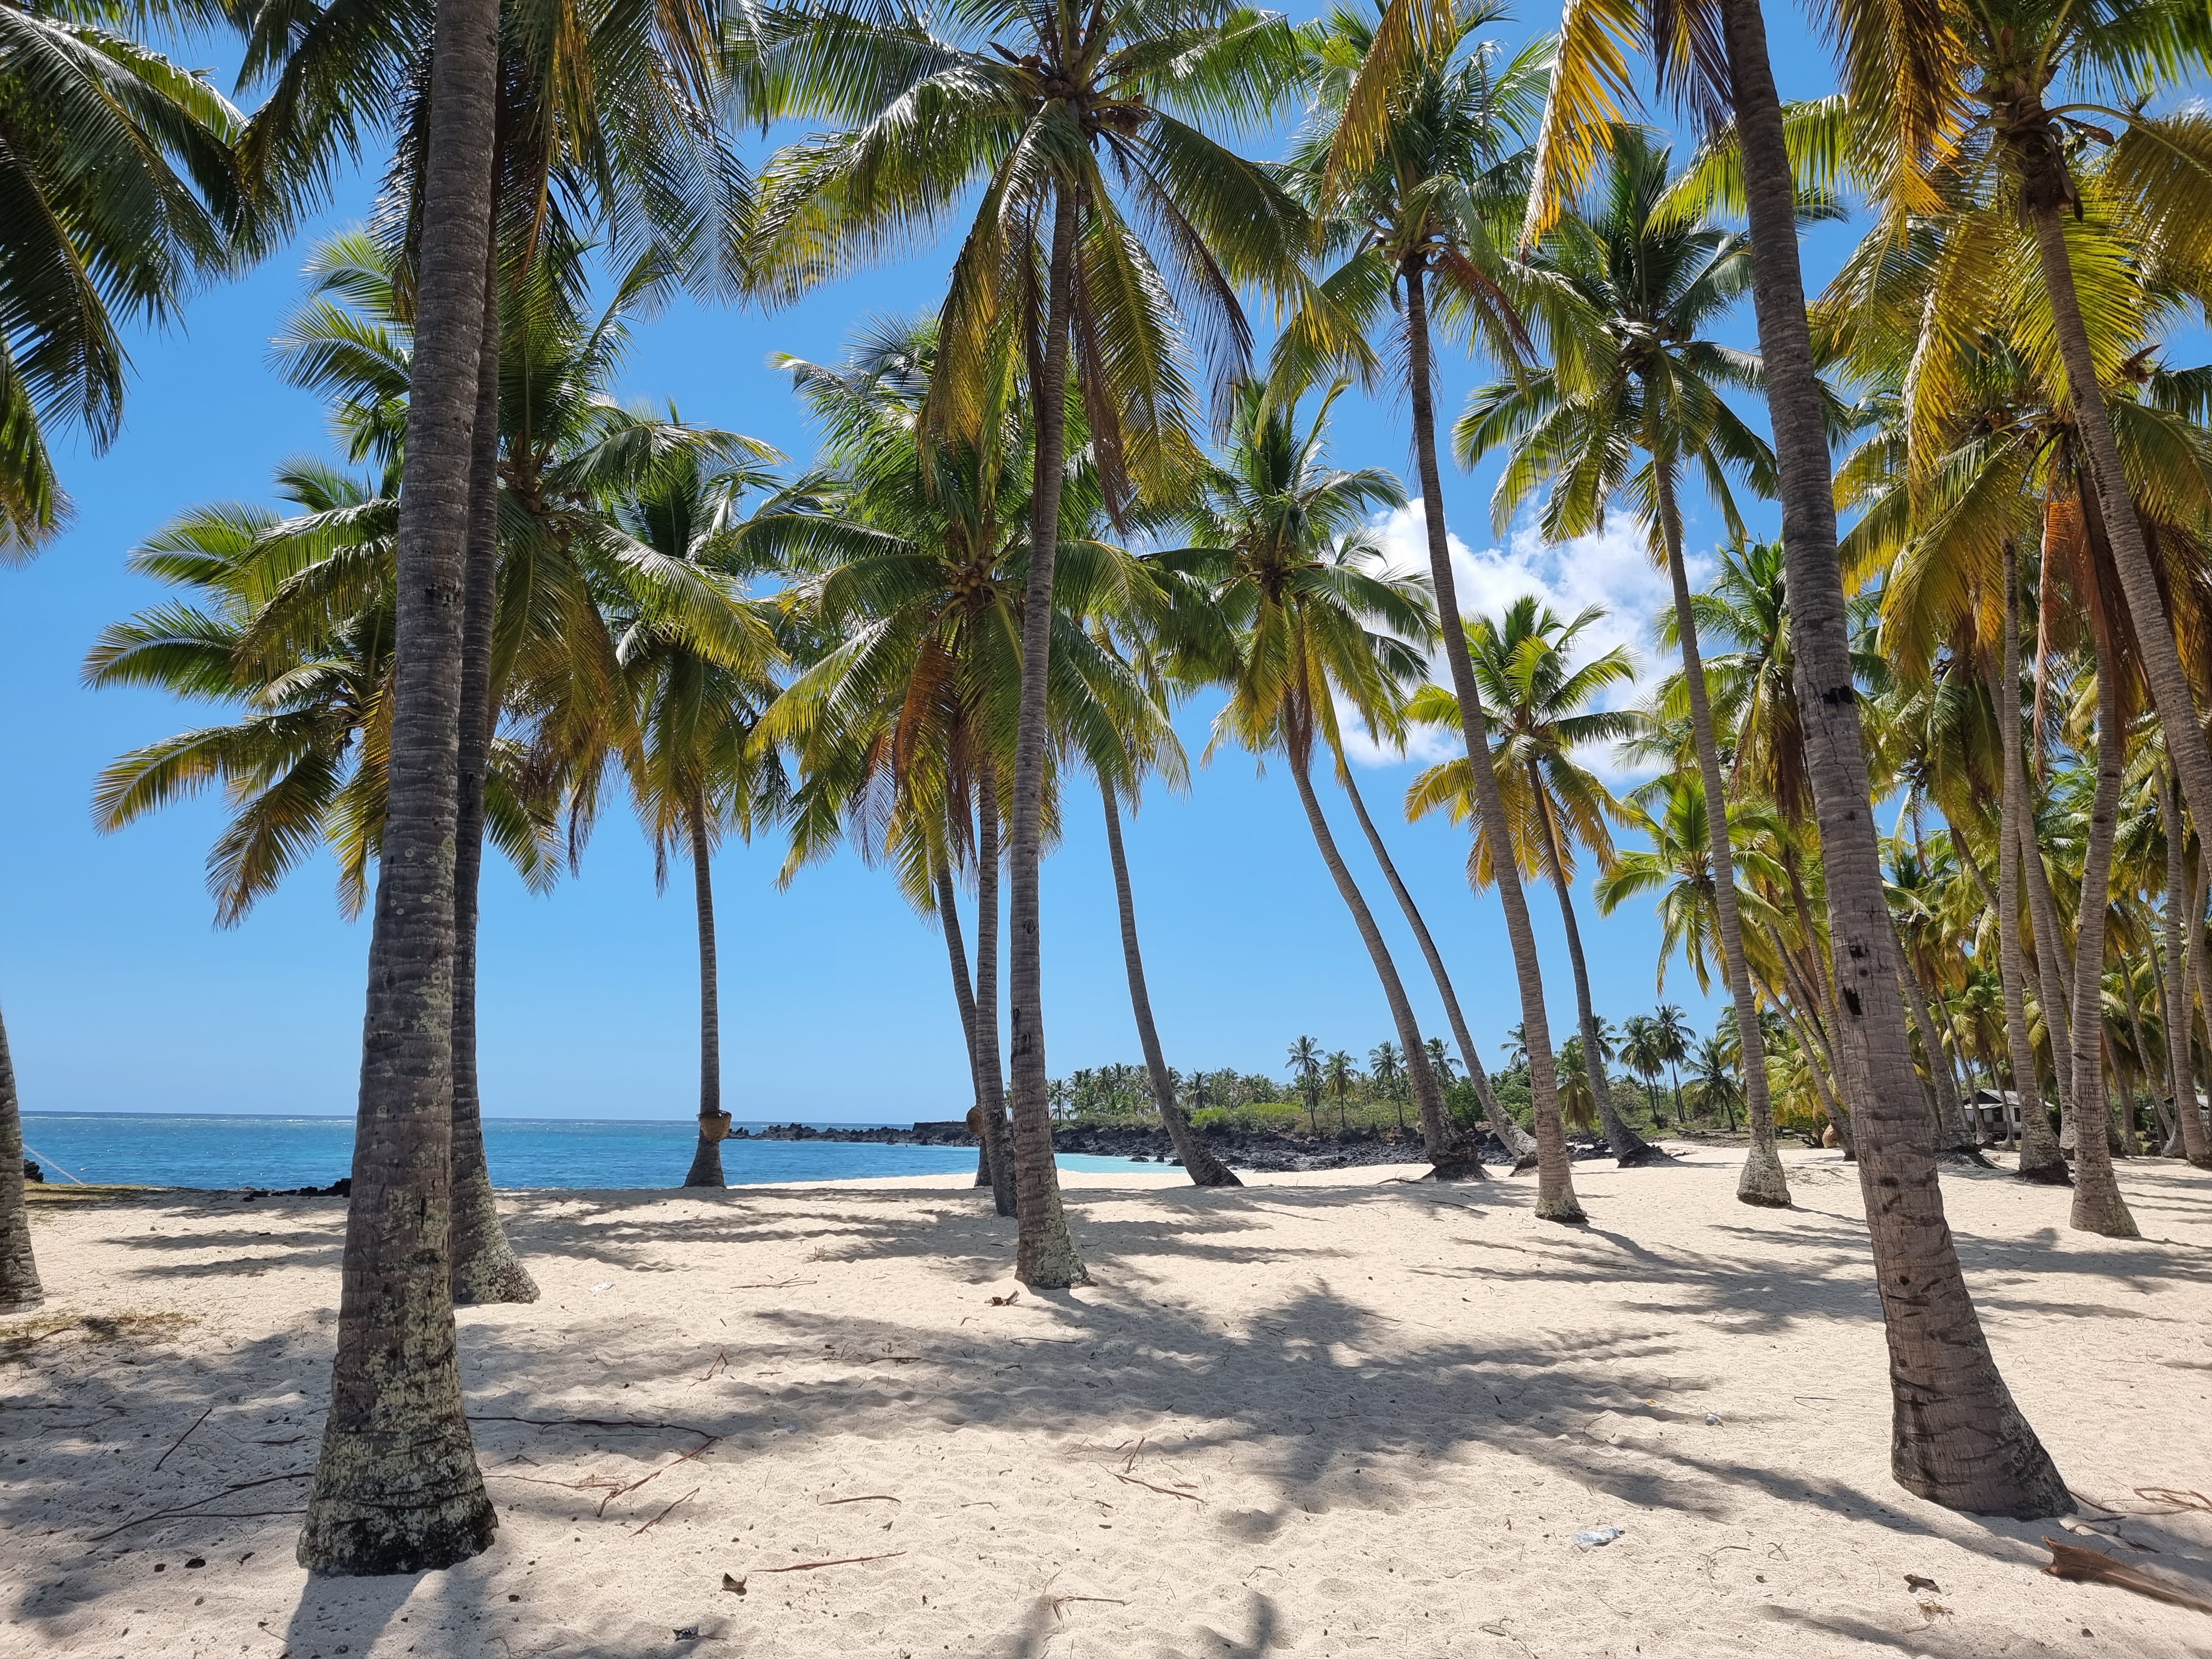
(121, 995)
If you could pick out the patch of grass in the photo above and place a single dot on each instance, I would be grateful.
(37, 1194)
(18, 1336)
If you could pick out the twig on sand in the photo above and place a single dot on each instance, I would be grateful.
(842, 1561)
(696, 1451)
(595, 1423)
(772, 1284)
(1169, 1492)
(1060, 1601)
(721, 1362)
(182, 1438)
(2070, 1561)
(192, 1510)
(657, 1519)
(867, 1498)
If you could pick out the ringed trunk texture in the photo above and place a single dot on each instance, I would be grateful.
(2042, 168)
(714, 1122)
(1763, 1182)
(2098, 1206)
(20, 1289)
(2182, 901)
(1452, 1158)
(1045, 1256)
(2054, 965)
(964, 995)
(2040, 1160)
(1556, 1200)
(1516, 1141)
(990, 1074)
(1957, 1438)
(1629, 1149)
(395, 1488)
(485, 1267)
(1198, 1162)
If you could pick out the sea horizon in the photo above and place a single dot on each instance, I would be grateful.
(237, 1150)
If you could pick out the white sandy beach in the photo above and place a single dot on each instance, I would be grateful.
(1330, 1413)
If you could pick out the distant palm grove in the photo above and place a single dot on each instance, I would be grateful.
(1921, 736)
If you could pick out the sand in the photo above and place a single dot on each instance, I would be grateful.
(1330, 1413)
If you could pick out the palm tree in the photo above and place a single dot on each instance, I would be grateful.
(1522, 665)
(1062, 138)
(1713, 1078)
(1340, 1073)
(1387, 1067)
(1626, 297)
(396, 1487)
(1310, 619)
(1674, 1037)
(1642, 1051)
(1305, 1062)
(697, 771)
(1956, 1436)
(1407, 161)
(124, 191)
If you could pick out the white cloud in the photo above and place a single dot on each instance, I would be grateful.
(1612, 569)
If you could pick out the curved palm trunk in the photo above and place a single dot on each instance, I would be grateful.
(1763, 1182)
(2098, 1206)
(485, 1267)
(1950, 1115)
(1518, 1143)
(397, 1488)
(2181, 900)
(714, 1122)
(2040, 1160)
(1198, 1162)
(990, 1072)
(1824, 985)
(2043, 188)
(2146, 1084)
(1814, 1069)
(20, 1289)
(1045, 1257)
(1556, 1200)
(1629, 1149)
(964, 995)
(1452, 1159)
(1956, 1438)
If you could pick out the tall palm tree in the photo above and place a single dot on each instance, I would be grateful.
(1340, 1072)
(697, 771)
(1522, 665)
(1386, 1065)
(1642, 1051)
(1626, 298)
(122, 189)
(1408, 159)
(1674, 1038)
(1713, 1078)
(1311, 618)
(1956, 1436)
(397, 1488)
(1305, 1059)
(1074, 146)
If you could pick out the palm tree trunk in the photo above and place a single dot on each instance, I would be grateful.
(1795, 1022)
(2098, 1206)
(1045, 1256)
(1555, 1187)
(485, 1267)
(2040, 1160)
(2182, 902)
(1629, 1149)
(2043, 189)
(1953, 1135)
(714, 1122)
(964, 995)
(20, 1289)
(1516, 1141)
(2054, 964)
(2130, 1147)
(1763, 1182)
(2199, 961)
(1198, 1162)
(990, 1065)
(1824, 983)
(1956, 1436)
(1824, 1083)
(1451, 1157)
(397, 1488)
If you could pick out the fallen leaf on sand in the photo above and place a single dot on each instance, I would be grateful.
(735, 1586)
(1006, 1301)
(1913, 1581)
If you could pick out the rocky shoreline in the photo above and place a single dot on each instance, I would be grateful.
(1260, 1151)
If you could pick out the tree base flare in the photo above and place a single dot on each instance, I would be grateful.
(1448, 1168)
(1566, 1209)
(345, 1539)
(1763, 1183)
(2011, 1476)
(492, 1277)
(13, 1301)
(2051, 1173)
(1644, 1152)
(2106, 1215)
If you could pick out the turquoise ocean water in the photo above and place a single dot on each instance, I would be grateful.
(166, 1150)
